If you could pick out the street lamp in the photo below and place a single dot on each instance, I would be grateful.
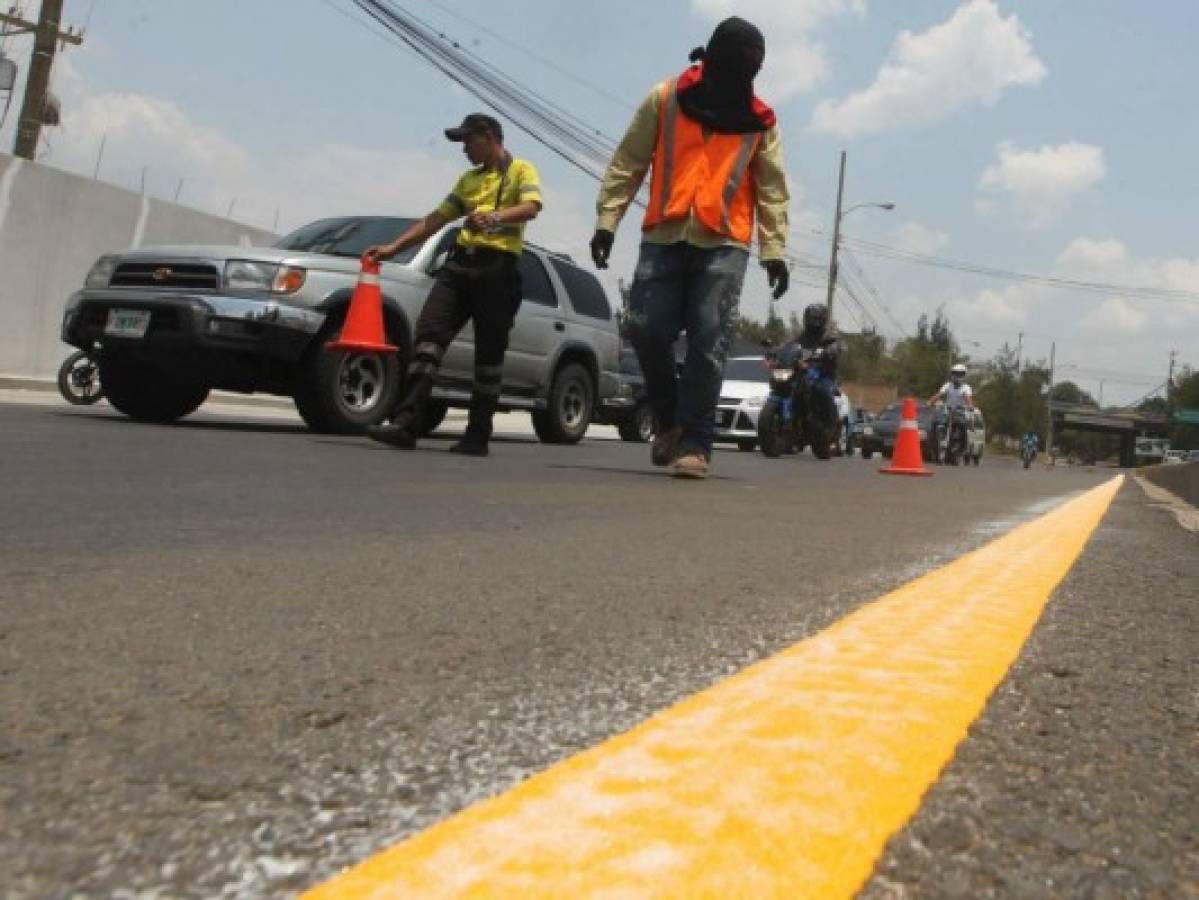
(832, 263)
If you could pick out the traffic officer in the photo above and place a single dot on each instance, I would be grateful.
(717, 164)
(478, 283)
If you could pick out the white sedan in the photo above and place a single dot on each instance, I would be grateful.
(742, 396)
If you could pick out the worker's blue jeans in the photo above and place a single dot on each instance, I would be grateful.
(679, 287)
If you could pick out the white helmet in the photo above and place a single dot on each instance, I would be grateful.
(958, 371)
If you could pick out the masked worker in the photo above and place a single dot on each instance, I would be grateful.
(717, 165)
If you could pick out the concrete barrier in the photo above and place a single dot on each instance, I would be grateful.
(1182, 480)
(53, 226)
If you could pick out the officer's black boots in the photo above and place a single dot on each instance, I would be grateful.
(401, 431)
(478, 427)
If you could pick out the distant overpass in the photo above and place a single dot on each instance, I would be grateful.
(1128, 425)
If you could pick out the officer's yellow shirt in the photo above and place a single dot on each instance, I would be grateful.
(479, 190)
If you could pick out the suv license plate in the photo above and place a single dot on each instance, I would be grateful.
(127, 323)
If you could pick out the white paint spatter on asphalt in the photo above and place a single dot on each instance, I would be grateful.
(1187, 515)
(139, 230)
(6, 185)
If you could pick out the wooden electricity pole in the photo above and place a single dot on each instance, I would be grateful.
(47, 36)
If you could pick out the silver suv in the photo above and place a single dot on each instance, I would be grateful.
(173, 323)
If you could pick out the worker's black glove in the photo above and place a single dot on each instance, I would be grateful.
(601, 247)
(777, 275)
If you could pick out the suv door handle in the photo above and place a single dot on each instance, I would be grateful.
(559, 326)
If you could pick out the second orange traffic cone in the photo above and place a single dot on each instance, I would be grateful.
(906, 459)
(363, 330)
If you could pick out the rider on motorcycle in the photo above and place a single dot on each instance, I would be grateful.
(818, 335)
(1031, 439)
(955, 392)
(957, 395)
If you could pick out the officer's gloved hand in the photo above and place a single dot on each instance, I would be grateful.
(778, 276)
(601, 247)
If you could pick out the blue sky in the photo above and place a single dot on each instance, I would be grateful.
(1045, 137)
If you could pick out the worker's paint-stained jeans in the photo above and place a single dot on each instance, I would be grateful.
(679, 287)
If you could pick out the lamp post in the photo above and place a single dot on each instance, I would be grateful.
(832, 263)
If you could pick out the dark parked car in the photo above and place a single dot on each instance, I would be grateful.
(879, 436)
(629, 409)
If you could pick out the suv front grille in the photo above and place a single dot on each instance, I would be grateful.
(162, 275)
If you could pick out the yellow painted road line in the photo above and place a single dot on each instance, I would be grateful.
(787, 779)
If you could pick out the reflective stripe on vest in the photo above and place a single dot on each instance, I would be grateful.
(701, 173)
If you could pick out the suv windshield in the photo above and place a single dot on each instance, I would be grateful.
(349, 236)
(746, 369)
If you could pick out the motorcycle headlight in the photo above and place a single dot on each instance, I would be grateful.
(868, 429)
(756, 402)
(101, 272)
(780, 374)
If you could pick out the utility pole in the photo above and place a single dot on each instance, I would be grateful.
(1019, 351)
(47, 37)
(1170, 385)
(1049, 405)
(832, 263)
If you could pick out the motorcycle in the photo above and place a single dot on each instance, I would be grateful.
(79, 379)
(796, 413)
(1028, 453)
(954, 441)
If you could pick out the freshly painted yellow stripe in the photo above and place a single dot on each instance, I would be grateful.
(787, 779)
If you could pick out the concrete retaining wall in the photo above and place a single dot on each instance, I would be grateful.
(1182, 480)
(53, 226)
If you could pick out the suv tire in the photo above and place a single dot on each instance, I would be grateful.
(639, 426)
(146, 393)
(341, 393)
(568, 407)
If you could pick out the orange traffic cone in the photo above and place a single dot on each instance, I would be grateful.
(906, 459)
(363, 330)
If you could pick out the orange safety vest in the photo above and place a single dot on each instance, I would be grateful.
(707, 173)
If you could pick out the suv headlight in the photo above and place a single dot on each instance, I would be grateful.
(101, 272)
(246, 275)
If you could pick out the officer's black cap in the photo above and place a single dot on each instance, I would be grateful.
(473, 124)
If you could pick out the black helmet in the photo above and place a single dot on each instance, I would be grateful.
(815, 317)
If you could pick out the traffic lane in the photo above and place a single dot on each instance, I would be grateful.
(252, 656)
(1079, 780)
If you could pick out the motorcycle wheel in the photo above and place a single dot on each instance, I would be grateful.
(770, 428)
(79, 379)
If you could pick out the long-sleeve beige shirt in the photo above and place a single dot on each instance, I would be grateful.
(632, 160)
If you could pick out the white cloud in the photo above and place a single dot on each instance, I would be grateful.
(912, 237)
(1041, 182)
(1115, 315)
(1085, 253)
(795, 61)
(971, 58)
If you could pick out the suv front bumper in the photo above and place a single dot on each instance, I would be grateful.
(193, 324)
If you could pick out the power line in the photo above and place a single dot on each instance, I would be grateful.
(882, 251)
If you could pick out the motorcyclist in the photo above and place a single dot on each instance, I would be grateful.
(1031, 439)
(818, 335)
(955, 394)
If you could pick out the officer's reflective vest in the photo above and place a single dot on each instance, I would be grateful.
(705, 173)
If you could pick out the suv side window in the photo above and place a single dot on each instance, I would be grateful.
(586, 293)
(535, 283)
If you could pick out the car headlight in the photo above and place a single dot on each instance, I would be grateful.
(756, 402)
(101, 272)
(246, 275)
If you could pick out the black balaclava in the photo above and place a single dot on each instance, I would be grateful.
(723, 98)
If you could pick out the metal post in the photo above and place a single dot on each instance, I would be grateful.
(1049, 405)
(832, 263)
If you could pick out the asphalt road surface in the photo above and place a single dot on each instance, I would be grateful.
(236, 656)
